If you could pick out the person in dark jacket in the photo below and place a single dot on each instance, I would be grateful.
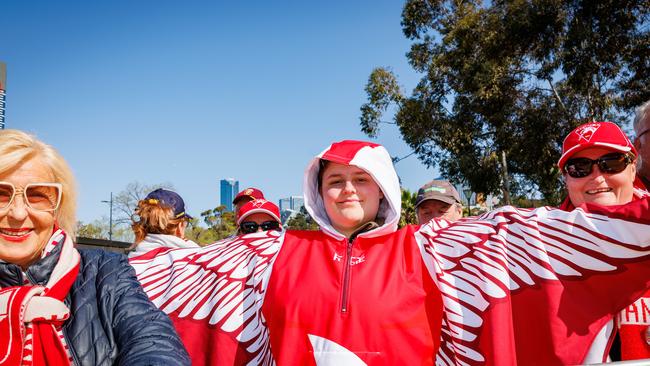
(60, 305)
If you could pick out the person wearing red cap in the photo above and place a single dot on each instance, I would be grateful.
(642, 142)
(598, 166)
(258, 215)
(246, 195)
(511, 287)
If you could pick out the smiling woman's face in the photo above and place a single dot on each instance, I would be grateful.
(24, 231)
(598, 187)
(350, 195)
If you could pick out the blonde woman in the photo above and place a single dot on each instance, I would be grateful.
(60, 305)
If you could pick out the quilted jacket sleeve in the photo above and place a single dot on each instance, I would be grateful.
(143, 334)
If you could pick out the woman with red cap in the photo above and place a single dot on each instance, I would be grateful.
(598, 164)
(514, 286)
(258, 215)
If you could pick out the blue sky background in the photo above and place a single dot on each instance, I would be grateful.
(193, 92)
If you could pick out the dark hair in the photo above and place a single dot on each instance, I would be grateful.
(322, 164)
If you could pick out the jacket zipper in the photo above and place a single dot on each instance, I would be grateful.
(346, 278)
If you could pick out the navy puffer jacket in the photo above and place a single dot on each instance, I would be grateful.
(112, 321)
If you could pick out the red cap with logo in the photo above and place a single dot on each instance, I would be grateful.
(595, 134)
(258, 206)
(252, 193)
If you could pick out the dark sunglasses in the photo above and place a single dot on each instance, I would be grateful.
(611, 164)
(248, 227)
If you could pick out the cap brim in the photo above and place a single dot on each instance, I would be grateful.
(445, 199)
(258, 210)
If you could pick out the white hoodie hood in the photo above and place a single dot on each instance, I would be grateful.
(373, 159)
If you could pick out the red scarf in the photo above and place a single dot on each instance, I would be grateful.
(40, 310)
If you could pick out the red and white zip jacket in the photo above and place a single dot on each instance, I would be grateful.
(512, 287)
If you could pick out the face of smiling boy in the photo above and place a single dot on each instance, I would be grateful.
(350, 195)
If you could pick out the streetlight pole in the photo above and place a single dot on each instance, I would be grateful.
(110, 220)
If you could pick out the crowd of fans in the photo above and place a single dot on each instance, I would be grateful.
(359, 290)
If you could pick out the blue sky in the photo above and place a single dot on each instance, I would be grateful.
(193, 92)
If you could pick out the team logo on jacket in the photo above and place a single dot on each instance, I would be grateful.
(353, 260)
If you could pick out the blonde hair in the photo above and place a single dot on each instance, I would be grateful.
(18, 147)
(153, 218)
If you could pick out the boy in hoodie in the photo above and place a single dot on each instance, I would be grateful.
(514, 286)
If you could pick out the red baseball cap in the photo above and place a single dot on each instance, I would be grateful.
(595, 134)
(252, 193)
(258, 206)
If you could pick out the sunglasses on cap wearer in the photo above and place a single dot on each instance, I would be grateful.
(37, 196)
(610, 164)
(248, 227)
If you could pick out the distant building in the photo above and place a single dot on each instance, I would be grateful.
(290, 206)
(297, 202)
(291, 203)
(284, 204)
(229, 189)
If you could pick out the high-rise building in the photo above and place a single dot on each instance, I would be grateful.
(293, 203)
(229, 189)
(297, 202)
(3, 87)
(284, 204)
(290, 206)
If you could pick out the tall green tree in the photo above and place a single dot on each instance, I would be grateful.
(503, 82)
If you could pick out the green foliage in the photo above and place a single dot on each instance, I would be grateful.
(408, 215)
(200, 234)
(94, 230)
(220, 222)
(512, 77)
(301, 221)
(98, 229)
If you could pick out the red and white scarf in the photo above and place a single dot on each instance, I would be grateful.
(31, 316)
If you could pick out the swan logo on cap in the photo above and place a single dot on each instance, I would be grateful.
(587, 131)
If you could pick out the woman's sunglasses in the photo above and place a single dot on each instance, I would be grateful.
(248, 227)
(610, 164)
